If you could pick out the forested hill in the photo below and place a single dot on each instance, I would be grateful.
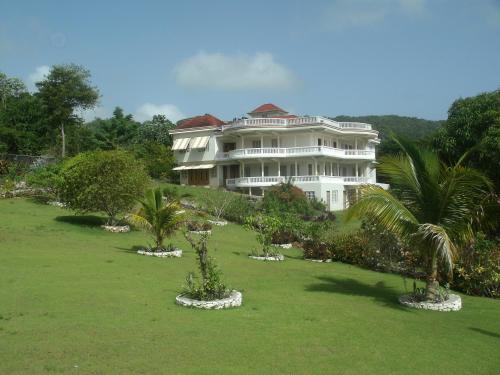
(409, 127)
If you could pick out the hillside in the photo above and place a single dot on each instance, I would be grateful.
(409, 127)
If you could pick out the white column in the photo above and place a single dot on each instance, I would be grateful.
(250, 191)
(279, 143)
(338, 169)
(242, 169)
(315, 173)
(331, 169)
(261, 141)
(356, 174)
(279, 168)
(296, 173)
(355, 143)
(262, 168)
(242, 142)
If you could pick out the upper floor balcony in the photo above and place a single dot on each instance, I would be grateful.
(298, 121)
(304, 151)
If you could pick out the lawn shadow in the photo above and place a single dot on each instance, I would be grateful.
(380, 292)
(485, 332)
(131, 250)
(86, 220)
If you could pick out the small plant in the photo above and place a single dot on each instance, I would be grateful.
(266, 227)
(210, 286)
(197, 226)
(217, 203)
(158, 217)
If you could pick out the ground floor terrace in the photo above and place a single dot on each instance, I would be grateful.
(332, 181)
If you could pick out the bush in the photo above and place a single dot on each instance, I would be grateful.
(106, 181)
(158, 159)
(316, 240)
(197, 226)
(48, 177)
(239, 208)
(287, 197)
(477, 271)
(266, 227)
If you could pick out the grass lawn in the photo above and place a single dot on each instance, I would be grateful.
(77, 300)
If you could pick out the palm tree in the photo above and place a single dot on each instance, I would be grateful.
(157, 216)
(432, 206)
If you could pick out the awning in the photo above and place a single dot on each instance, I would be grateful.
(180, 144)
(201, 166)
(199, 142)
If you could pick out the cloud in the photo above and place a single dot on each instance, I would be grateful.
(38, 75)
(148, 110)
(97, 112)
(234, 72)
(359, 13)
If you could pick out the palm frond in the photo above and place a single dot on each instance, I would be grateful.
(437, 237)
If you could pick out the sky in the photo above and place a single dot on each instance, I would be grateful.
(185, 58)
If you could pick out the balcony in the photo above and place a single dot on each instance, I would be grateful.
(294, 121)
(282, 152)
(263, 181)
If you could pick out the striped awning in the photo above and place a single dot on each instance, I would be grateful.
(180, 143)
(186, 167)
(199, 142)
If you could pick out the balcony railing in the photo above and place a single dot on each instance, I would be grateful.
(296, 151)
(274, 180)
(304, 120)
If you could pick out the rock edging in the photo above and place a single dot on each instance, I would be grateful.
(162, 254)
(276, 258)
(200, 231)
(217, 223)
(235, 299)
(453, 303)
(283, 245)
(116, 228)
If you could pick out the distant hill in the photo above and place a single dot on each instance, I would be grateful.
(409, 127)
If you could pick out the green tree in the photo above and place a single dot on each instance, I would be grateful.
(106, 181)
(473, 123)
(119, 131)
(156, 131)
(10, 87)
(157, 216)
(64, 91)
(430, 205)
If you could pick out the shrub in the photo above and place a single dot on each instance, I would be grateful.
(106, 181)
(216, 203)
(477, 271)
(239, 208)
(316, 240)
(210, 286)
(266, 227)
(197, 226)
(289, 229)
(158, 159)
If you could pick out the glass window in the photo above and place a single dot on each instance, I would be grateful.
(256, 144)
(310, 194)
(274, 143)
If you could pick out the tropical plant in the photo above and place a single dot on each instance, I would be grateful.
(430, 205)
(211, 285)
(157, 216)
(266, 227)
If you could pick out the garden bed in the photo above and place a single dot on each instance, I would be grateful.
(234, 300)
(272, 258)
(116, 228)
(453, 303)
(177, 253)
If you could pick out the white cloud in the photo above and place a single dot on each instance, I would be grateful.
(148, 110)
(357, 13)
(38, 75)
(234, 72)
(97, 112)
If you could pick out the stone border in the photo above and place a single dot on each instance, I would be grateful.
(177, 253)
(318, 260)
(277, 258)
(282, 245)
(116, 228)
(234, 300)
(217, 223)
(200, 231)
(453, 303)
(56, 204)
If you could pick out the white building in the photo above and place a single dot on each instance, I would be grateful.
(325, 158)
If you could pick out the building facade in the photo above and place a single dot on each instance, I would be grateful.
(325, 158)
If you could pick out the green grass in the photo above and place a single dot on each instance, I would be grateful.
(75, 299)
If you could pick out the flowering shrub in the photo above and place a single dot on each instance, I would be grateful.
(477, 270)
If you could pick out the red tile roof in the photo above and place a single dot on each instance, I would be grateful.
(199, 121)
(267, 108)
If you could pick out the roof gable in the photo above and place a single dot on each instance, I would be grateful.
(199, 121)
(268, 107)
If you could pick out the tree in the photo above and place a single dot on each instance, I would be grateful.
(473, 123)
(158, 216)
(115, 132)
(65, 90)
(10, 87)
(430, 205)
(156, 131)
(107, 181)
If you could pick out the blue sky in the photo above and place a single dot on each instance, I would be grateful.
(183, 58)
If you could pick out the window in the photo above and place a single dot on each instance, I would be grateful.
(310, 194)
(247, 171)
(335, 196)
(319, 141)
(274, 143)
(266, 170)
(283, 170)
(256, 144)
(213, 172)
(310, 169)
(334, 144)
